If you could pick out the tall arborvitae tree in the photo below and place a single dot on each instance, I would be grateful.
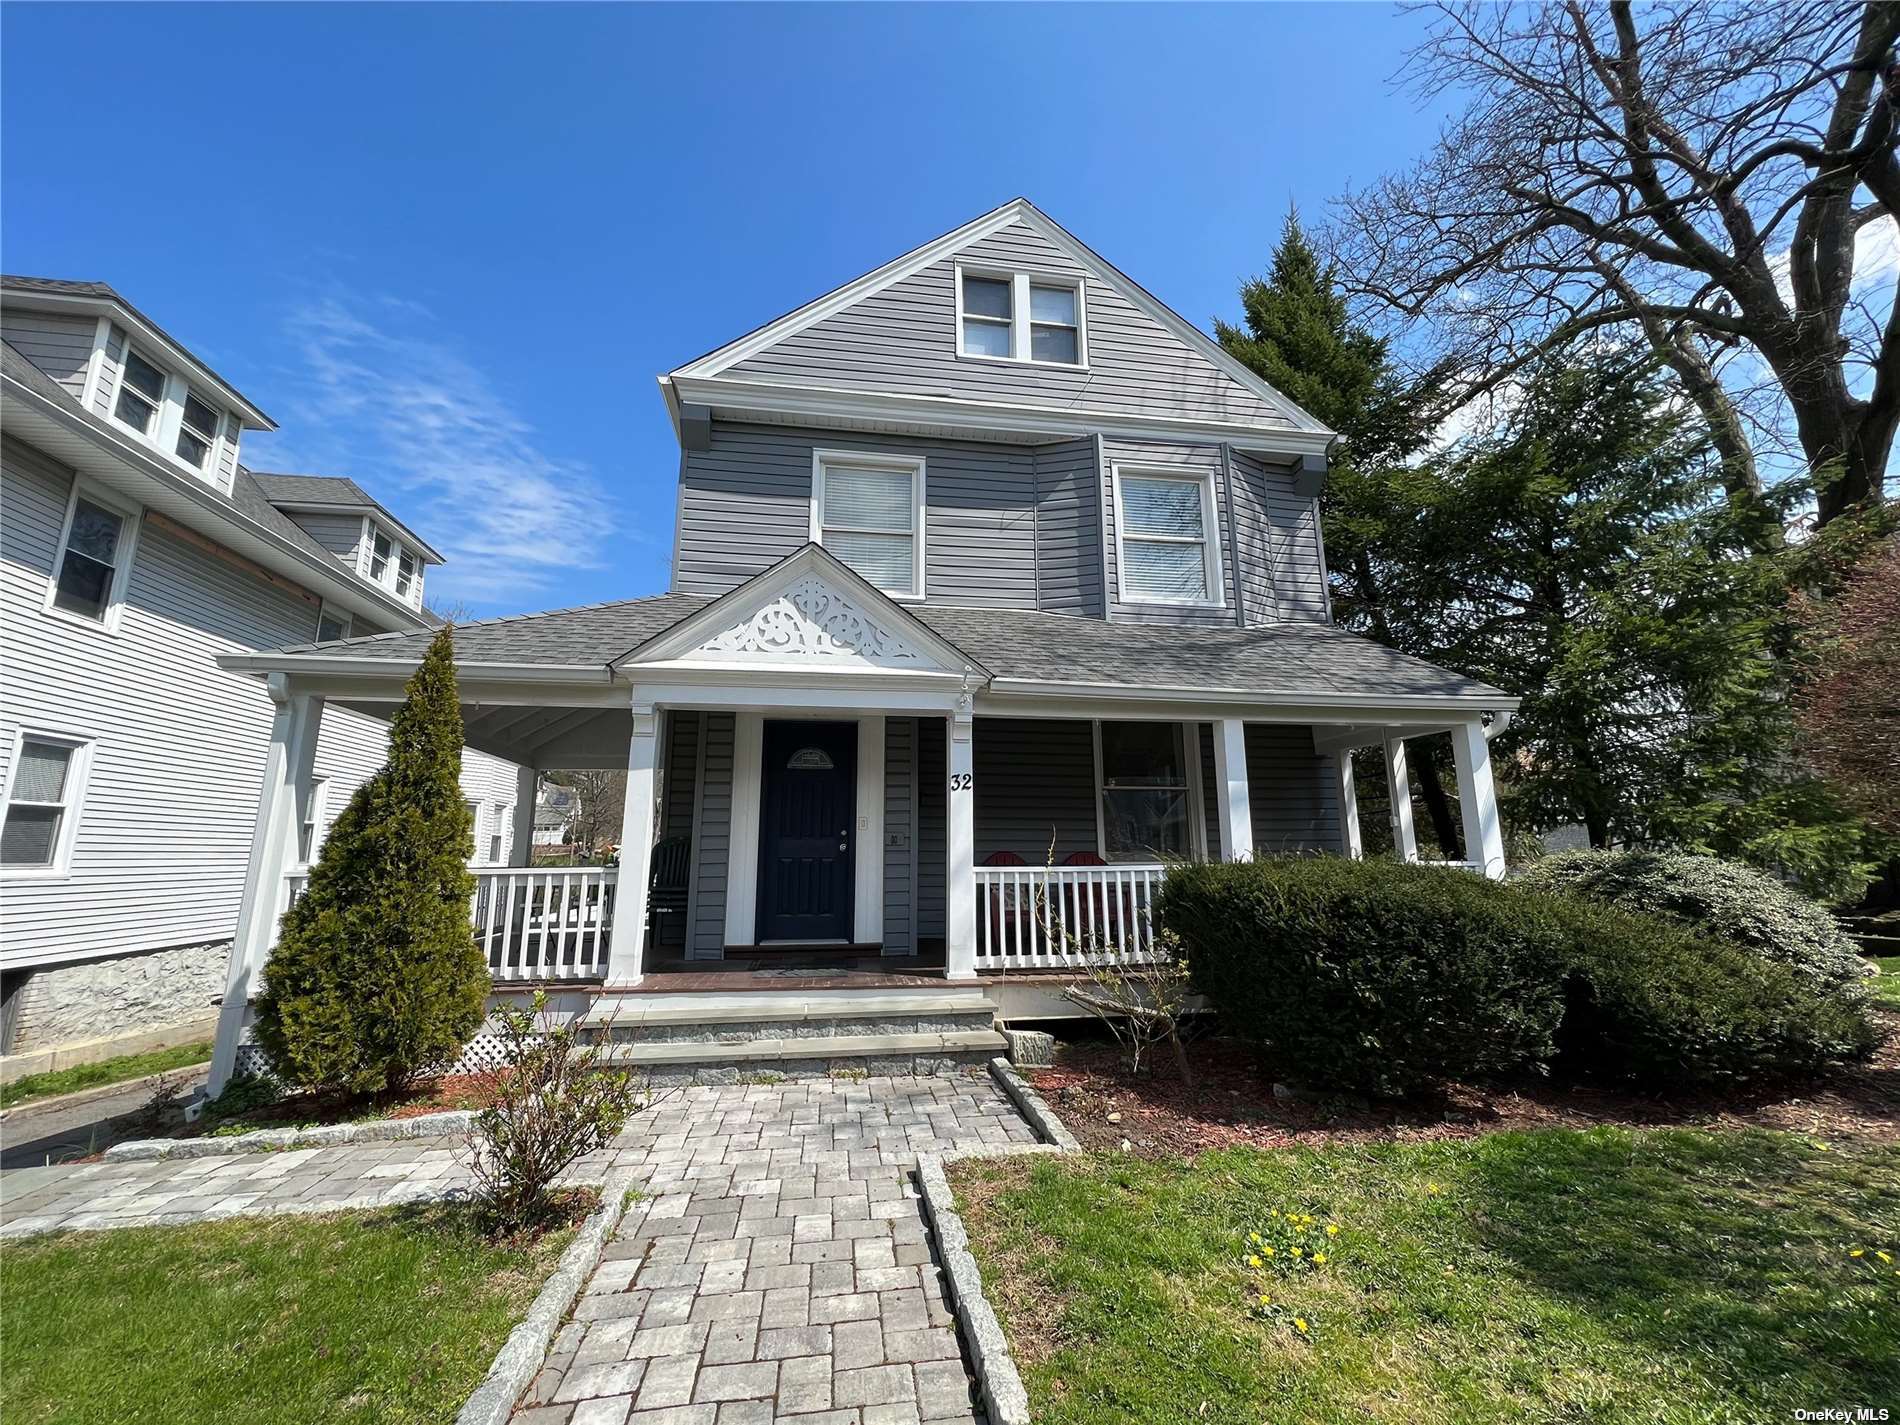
(1300, 338)
(376, 977)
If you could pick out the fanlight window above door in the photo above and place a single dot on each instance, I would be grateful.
(809, 759)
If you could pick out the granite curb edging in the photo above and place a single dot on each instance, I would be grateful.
(1005, 1400)
(276, 1140)
(522, 1354)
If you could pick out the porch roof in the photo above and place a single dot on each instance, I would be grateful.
(1014, 645)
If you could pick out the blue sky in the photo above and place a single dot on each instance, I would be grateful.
(449, 248)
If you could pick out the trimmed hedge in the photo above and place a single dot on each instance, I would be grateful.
(1713, 897)
(1384, 978)
(1370, 975)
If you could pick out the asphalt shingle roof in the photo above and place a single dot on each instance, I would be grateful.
(316, 489)
(1058, 648)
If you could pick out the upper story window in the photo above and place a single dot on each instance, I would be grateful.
(379, 549)
(197, 432)
(405, 572)
(393, 564)
(1004, 316)
(89, 580)
(42, 803)
(141, 393)
(1166, 526)
(869, 511)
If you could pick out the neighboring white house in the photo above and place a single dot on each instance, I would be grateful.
(554, 808)
(135, 550)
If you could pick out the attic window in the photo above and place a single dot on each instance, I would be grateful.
(141, 393)
(197, 432)
(1014, 316)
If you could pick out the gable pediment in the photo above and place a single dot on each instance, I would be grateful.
(808, 612)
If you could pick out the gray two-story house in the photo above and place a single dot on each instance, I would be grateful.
(996, 587)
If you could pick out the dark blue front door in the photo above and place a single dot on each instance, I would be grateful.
(807, 820)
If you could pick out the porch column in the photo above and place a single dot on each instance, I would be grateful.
(296, 719)
(960, 850)
(527, 783)
(627, 948)
(1349, 843)
(1236, 801)
(1398, 784)
(1478, 798)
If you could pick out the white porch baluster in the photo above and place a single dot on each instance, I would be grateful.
(287, 764)
(1398, 782)
(624, 959)
(1478, 799)
(1230, 777)
(960, 856)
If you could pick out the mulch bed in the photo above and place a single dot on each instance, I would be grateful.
(1234, 1103)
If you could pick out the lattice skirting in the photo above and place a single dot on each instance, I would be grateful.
(483, 1053)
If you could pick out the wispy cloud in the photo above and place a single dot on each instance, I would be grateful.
(383, 397)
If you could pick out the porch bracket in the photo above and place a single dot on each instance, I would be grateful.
(627, 943)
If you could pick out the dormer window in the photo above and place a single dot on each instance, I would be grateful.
(197, 432)
(1017, 316)
(141, 393)
(379, 551)
(405, 572)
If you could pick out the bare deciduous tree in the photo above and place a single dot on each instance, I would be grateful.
(600, 799)
(1698, 173)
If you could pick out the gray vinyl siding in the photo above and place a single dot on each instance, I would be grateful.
(713, 828)
(1186, 459)
(1068, 529)
(932, 769)
(904, 340)
(1280, 543)
(1291, 791)
(900, 834)
(165, 818)
(340, 534)
(745, 504)
(1035, 783)
(679, 783)
(59, 344)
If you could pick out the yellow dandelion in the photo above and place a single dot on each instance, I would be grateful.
(1253, 1237)
(1265, 1300)
(1298, 1253)
(1883, 1256)
(1267, 1250)
(1332, 1229)
(1319, 1256)
(1253, 1261)
(1857, 1252)
(1299, 1323)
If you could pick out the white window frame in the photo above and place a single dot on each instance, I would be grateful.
(1209, 541)
(152, 433)
(316, 803)
(324, 611)
(498, 835)
(876, 460)
(78, 773)
(1019, 319)
(169, 418)
(133, 515)
(213, 440)
(1187, 739)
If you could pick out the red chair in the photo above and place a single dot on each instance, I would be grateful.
(1077, 906)
(1008, 928)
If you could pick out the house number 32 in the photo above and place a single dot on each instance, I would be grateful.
(959, 781)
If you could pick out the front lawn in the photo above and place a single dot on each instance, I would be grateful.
(1609, 1275)
(390, 1316)
(1886, 986)
(105, 1071)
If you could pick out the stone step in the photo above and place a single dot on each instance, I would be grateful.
(729, 1019)
(895, 1054)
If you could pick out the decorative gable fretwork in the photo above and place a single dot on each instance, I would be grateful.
(811, 619)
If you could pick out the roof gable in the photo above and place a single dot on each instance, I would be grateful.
(894, 331)
(808, 611)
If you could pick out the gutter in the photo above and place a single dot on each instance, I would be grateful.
(1033, 688)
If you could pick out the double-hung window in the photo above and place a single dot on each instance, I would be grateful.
(42, 802)
(87, 580)
(495, 833)
(310, 827)
(1018, 317)
(1145, 791)
(868, 510)
(1167, 526)
(197, 432)
(141, 393)
(379, 551)
(405, 572)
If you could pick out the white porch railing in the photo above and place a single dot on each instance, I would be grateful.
(535, 924)
(1065, 917)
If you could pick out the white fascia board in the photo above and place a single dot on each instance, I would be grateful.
(142, 330)
(410, 538)
(398, 670)
(791, 700)
(1128, 700)
(101, 453)
(784, 677)
(980, 417)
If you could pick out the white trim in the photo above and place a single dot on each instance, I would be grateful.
(1234, 789)
(727, 395)
(879, 461)
(1375, 706)
(1209, 541)
(71, 804)
(1017, 210)
(1197, 786)
(1101, 815)
(316, 802)
(96, 363)
(1398, 793)
(122, 556)
(867, 920)
(742, 860)
(1350, 843)
(1020, 322)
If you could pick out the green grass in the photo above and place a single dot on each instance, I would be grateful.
(1886, 986)
(371, 1317)
(106, 1071)
(1604, 1276)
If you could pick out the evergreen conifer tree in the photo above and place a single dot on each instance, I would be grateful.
(376, 977)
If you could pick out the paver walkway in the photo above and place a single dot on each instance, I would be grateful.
(780, 1271)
